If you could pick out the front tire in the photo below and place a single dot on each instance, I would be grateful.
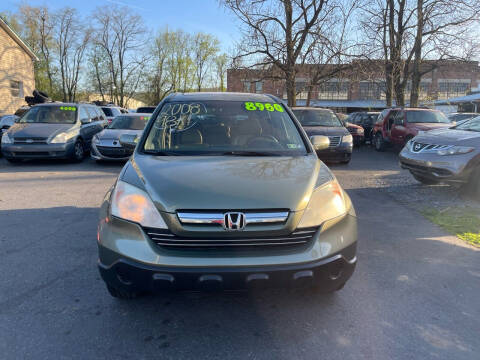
(78, 151)
(379, 142)
(424, 180)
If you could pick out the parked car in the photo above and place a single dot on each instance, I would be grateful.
(357, 131)
(225, 193)
(53, 130)
(399, 125)
(146, 109)
(106, 144)
(449, 155)
(457, 117)
(365, 119)
(318, 121)
(6, 121)
(112, 111)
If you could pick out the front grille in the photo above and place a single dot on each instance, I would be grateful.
(113, 152)
(29, 140)
(334, 141)
(167, 239)
(422, 147)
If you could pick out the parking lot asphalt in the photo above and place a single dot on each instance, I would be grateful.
(415, 293)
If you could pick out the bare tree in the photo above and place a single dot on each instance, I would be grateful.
(205, 47)
(120, 35)
(71, 39)
(444, 30)
(221, 62)
(277, 32)
(37, 26)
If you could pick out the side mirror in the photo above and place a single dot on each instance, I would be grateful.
(129, 141)
(320, 142)
(84, 121)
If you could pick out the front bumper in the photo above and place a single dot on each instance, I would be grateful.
(97, 155)
(342, 152)
(38, 151)
(328, 274)
(129, 259)
(453, 168)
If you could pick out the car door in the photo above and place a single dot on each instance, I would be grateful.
(98, 119)
(398, 131)
(388, 124)
(90, 128)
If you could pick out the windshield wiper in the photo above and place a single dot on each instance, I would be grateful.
(249, 153)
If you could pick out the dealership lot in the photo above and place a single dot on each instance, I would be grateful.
(415, 293)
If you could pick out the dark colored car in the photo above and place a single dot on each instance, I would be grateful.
(449, 155)
(106, 144)
(317, 121)
(53, 130)
(366, 120)
(146, 109)
(112, 111)
(225, 191)
(356, 131)
(395, 127)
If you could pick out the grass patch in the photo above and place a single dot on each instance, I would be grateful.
(462, 222)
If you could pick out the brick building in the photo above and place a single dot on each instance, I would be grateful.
(16, 70)
(360, 84)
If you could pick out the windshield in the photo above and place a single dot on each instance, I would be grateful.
(469, 125)
(129, 122)
(50, 115)
(459, 117)
(108, 111)
(224, 127)
(419, 116)
(317, 118)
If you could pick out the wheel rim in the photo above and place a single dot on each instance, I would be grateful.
(79, 150)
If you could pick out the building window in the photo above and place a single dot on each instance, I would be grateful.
(259, 87)
(447, 89)
(246, 86)
(333, 90)
(371, 90)
(16, 88)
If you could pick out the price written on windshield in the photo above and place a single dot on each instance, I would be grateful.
(256, 106)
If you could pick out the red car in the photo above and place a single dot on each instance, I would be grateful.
(398, 125)
(358, 133)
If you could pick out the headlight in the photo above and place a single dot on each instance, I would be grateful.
(6, 139)
(63, 137)
(131, 203)
(347, 138)
(409, 144)
(455, 150)
(326, 202)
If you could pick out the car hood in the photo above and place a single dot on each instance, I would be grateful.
(226, 182)
(31, 130)
(325, 130)
(429, 126)
(114, 134)
(354, 126)
(449, 137)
